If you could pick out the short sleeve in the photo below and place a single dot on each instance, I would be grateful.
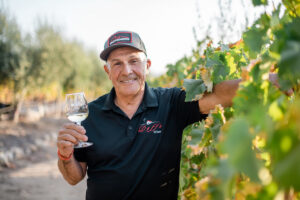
(186, 112)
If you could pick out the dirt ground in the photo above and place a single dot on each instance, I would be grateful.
(35, 176)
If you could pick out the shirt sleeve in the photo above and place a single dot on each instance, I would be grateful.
(186, 112)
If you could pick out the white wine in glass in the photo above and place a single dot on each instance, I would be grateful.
(77, 111)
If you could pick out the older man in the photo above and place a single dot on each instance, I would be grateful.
(136, 130)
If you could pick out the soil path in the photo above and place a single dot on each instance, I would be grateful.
(37, 177)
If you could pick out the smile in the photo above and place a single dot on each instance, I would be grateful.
(128, 81)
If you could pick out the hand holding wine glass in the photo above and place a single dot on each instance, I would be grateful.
(77, 111)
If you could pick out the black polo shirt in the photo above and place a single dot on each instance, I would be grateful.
(136, 158)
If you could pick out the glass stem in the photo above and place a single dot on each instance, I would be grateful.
(79, 124)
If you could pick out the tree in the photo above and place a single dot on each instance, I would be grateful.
(13, 60)
(44, 60)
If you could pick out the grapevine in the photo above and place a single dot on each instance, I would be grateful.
(250, 150)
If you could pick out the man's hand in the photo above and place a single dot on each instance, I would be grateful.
(222, 93)
(72, 170)
(69, 136)
(273, 78)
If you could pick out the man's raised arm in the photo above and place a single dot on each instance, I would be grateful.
(222, 93)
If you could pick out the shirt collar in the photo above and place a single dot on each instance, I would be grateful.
(149, 99)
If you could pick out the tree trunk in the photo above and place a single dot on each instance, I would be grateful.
(19, 106)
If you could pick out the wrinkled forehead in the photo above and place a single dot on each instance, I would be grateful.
(125, 53)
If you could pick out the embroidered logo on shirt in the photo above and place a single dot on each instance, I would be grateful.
(150, 127)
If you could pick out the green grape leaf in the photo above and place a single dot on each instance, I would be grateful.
(215, 129)
(212, 61)
(275, 19)
(196, 134)
(224, 47)
(206, 139)
(259, 2)
(256, 73)
(238, 146)
(284, 146)
(249, 102)
(194, 89)
(287, 171)
(197, 159)
(254, 39)
(289, 64)
(205, 73)
(223, 172)
(275, 112)
(218, 120)
(293, 6)
(220, 73)
(218, 64)
(290, 59)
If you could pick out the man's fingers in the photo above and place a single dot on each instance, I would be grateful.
(67, 137)
(74, 133)
(75, 127)
(65, 148)
(289, 92)
(64, 144)
(273, 77)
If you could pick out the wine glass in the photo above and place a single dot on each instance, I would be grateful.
(77, 111)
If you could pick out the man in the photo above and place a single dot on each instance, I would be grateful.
(136, 130)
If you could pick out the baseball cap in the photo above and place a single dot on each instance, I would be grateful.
(122, 39)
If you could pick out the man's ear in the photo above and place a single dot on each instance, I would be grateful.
(148, 64)
(106, 68)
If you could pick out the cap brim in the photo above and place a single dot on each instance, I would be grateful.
(105, 53)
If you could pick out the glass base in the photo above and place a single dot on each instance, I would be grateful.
(83, 145)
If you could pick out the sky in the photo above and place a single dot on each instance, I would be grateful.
(165, 26)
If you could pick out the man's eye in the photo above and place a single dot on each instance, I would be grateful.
(117, 64)
(134, 61)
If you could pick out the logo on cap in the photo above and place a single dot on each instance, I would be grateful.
(120, 37)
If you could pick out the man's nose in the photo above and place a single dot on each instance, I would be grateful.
(127, 69)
